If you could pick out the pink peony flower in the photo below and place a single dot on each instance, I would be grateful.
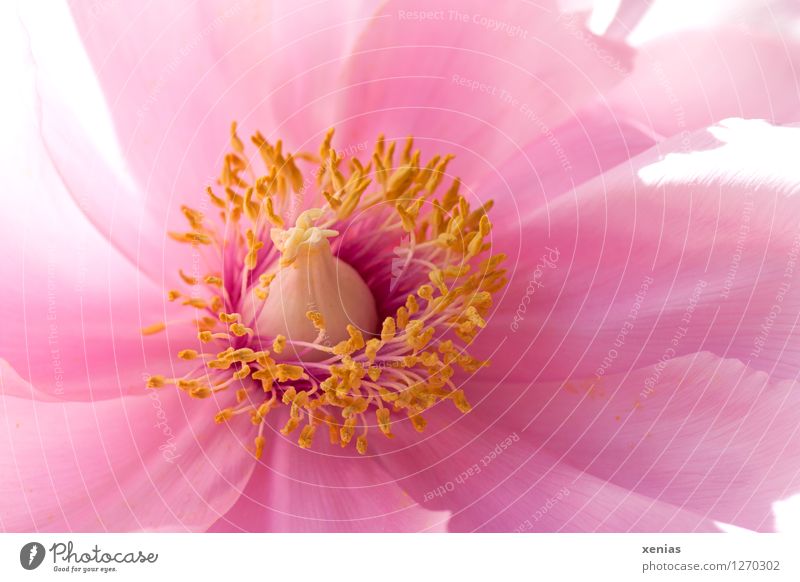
(362, 340)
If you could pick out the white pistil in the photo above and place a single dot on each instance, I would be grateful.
(310, 278)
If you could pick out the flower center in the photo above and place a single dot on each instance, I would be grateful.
(309, 278)
(357, 317)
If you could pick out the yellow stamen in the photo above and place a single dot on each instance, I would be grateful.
(239, 330)
(307, 436)
(154, 329)
(315, 317)
(156, 381)
(361, 444)
(260, 441)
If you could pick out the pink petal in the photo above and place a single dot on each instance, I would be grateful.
(668, 254)
(324, 489)
(79, 337)
(170, 75)
(74, 329)
(668, 17)
(167, 83)
(686, 81)
(134, 463)
(309, 45)
(72, 161)
(176, 76)
(586, 145)
(705, 434)
(497, 479)
(475, 80)
(627, 16)
(73, 307)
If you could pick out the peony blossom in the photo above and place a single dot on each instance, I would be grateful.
(398, 267)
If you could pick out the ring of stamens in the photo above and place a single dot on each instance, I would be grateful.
(407, 365)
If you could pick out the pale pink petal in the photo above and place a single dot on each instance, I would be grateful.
(687, 247)
(683, 82)
(494, 478)
(72, 323)
(323, 489)
(73, 306)
(74, 309)
(168, 80)
(705, 434)
(627, 16)
(776, 18)
(133, 463)
(70, 163)
(309, 46)
(176, 76)
(475, 80)
(586, 145)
